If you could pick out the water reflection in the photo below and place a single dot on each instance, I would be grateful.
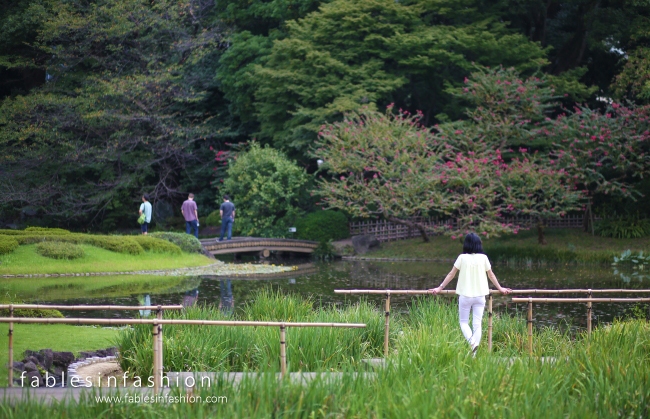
(145, 300)
(226, 299)
(190, 298)
(320, 281)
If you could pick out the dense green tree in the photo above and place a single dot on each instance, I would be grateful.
(121, 115)
(266, 188)
(354, 53)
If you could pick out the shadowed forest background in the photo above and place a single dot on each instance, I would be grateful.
(102, 101)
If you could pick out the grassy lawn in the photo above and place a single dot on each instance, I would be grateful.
(584, 245)
(58, 337)
(52, 289)
(25, 260)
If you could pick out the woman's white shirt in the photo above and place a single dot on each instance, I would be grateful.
(472, 275)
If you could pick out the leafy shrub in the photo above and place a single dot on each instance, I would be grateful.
(266, 188)
(32, 313)
(186, 242)
(47, 230)
(323, 226)
(214, 219)
(8, 244)
(158, 245)
(59, 250)
(35, 230)
(119, 244)
(623, 228)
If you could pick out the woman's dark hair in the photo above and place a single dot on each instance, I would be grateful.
(472, 244)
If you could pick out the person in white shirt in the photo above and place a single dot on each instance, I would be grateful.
(475, 269)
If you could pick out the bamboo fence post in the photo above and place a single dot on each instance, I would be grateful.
(283, 351)
(490, 322)
(154, 334)
(589, 314)
(11, 347)
(387, 325)
(530, 326)
(159, 370)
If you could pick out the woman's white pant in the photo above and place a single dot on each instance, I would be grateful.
(477, 305)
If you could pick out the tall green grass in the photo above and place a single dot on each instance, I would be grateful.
(216, 348)
(430, 373)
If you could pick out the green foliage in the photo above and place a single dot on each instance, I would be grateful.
(46, 230)
(639, 263)
(119, 244)
(186, 242)
(59, 250)
(8, 244)
(323, 226)
(35, 230)
(213, 219)
(22, 312)
(206, 348)
(355, 53)
(159, 245)
(266, 188)
(123, 113)
(623, 228)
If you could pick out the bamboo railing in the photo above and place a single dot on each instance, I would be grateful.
(157, 331)
(588, 301)
(589, 292)
(158, 360)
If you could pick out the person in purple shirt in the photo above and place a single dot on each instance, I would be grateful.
(227, 212)
(190, 212)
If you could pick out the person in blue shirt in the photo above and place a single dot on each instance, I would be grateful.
(227, 212)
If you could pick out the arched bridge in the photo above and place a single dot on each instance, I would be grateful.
(255, 244)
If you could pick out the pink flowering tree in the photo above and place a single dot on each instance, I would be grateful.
(504, 121)
(480, 190)
(380, 165)
(603, 151)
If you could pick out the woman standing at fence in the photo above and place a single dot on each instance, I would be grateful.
(474, 268)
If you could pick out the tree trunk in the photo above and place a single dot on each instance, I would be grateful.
(410, 224)
(540, 231)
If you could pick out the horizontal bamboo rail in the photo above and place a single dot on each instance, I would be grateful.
(158, 354)
(61, 307)
(580, 300)
(589, 301)
(157, 333)
(522, 291)
(587, 291)
(172, 321)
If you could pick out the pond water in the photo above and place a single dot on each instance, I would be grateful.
(319, 280)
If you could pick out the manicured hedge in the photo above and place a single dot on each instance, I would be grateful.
(35, 230)
(59, 250)
(323, 226)
(8, 244)
(119, 244)
(158, 245)
(134, 245)
(31, 313)
(186, 242)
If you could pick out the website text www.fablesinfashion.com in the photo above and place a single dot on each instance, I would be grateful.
(136, 398)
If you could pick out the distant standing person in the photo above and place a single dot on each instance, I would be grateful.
(472, 287)
(190, 212)
(145, 208)
(227, 212)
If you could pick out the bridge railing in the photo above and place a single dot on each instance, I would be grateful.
(156, 331)
(588, 292)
